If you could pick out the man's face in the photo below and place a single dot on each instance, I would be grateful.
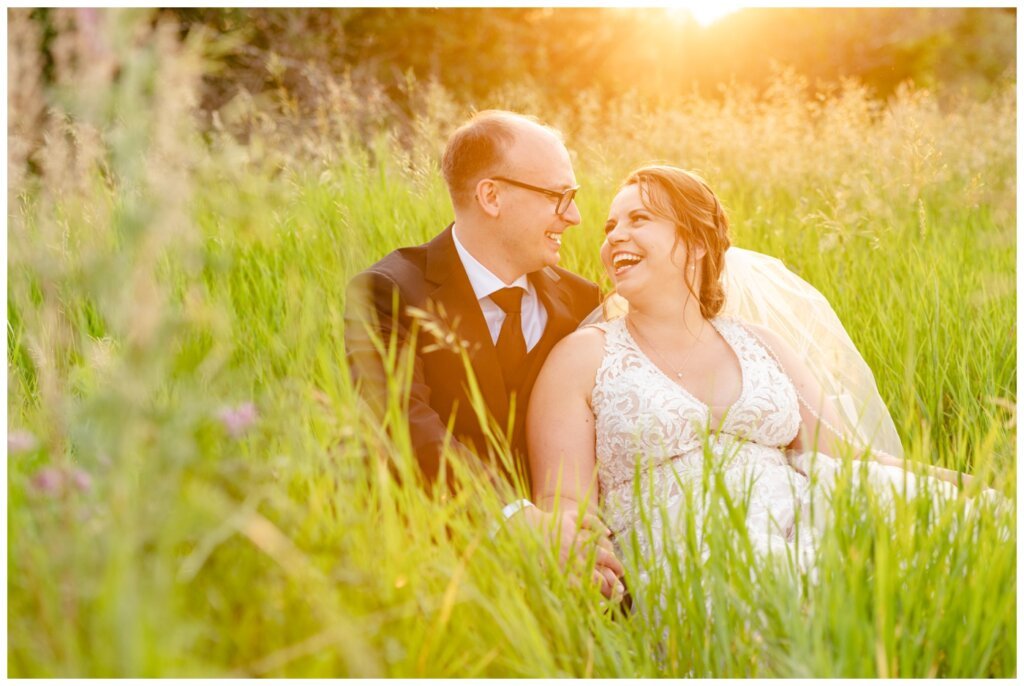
(530, 231)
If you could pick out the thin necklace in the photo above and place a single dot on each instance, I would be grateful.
(678, 371)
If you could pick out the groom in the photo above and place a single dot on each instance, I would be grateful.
(490, 278)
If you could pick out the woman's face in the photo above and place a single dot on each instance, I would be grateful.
(641, 250)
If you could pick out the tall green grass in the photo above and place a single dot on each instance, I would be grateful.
(159, 279)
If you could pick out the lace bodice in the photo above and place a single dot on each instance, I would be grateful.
(644, 416)
(648, 426)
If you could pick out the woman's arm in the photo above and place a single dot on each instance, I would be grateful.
(560, 438)
(816, 421)
(817, 413)
(560, 424)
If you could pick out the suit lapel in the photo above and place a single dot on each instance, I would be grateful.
(560, 320)
(462, 313)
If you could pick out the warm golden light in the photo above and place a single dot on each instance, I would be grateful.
(704, 13)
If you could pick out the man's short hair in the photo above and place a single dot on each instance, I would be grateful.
(477, 149)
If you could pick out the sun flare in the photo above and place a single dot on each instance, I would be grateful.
(704, 13)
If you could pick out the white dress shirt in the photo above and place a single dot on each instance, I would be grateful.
(484, 282)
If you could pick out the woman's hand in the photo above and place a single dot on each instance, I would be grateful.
(576, 535)
(954, 477)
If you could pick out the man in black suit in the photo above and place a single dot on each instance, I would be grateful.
(489, 285)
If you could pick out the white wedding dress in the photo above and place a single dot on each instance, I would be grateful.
(649, 428)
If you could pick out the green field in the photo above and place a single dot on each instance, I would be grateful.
(160, 274)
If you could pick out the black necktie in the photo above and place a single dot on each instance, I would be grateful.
(511, 345)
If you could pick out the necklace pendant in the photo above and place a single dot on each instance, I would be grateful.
(679, 375)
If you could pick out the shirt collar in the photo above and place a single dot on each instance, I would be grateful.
(482, 279)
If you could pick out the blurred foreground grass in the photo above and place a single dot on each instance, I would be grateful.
(193, 489)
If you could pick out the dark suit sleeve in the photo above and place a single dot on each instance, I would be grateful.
(593, 298)
(370, 312)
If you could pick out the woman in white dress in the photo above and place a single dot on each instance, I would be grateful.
(627, 412)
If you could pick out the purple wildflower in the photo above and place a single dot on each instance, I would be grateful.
(48, 481)
(237, 420)
(81, 479)
(89, 22)
(20, 441)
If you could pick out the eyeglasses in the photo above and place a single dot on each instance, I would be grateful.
(565, 197)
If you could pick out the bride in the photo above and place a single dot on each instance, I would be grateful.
(628, 410)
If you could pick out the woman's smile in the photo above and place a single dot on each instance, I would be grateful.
(623, 261)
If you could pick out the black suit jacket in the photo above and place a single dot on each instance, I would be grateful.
(431, 278)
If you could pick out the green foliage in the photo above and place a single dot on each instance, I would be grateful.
(654, 53)
(160, 280)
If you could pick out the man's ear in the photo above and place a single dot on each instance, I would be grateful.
(487, 197)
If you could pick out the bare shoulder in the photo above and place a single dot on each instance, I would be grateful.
(576, 358)
(584, 345)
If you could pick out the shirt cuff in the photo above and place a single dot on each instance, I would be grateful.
(508, 512)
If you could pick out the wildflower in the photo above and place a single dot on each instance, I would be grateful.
(81, 479)
(237, 420)
(90, 26)
(48, 481)
(21, 441)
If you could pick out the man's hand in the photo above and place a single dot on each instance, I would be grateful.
(576, 535)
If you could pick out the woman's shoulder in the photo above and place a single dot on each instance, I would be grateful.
(586, 340)
(583, 349)
(574, 361)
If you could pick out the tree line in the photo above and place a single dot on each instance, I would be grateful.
(651, 53)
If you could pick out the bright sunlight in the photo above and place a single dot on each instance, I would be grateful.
(703, 13)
